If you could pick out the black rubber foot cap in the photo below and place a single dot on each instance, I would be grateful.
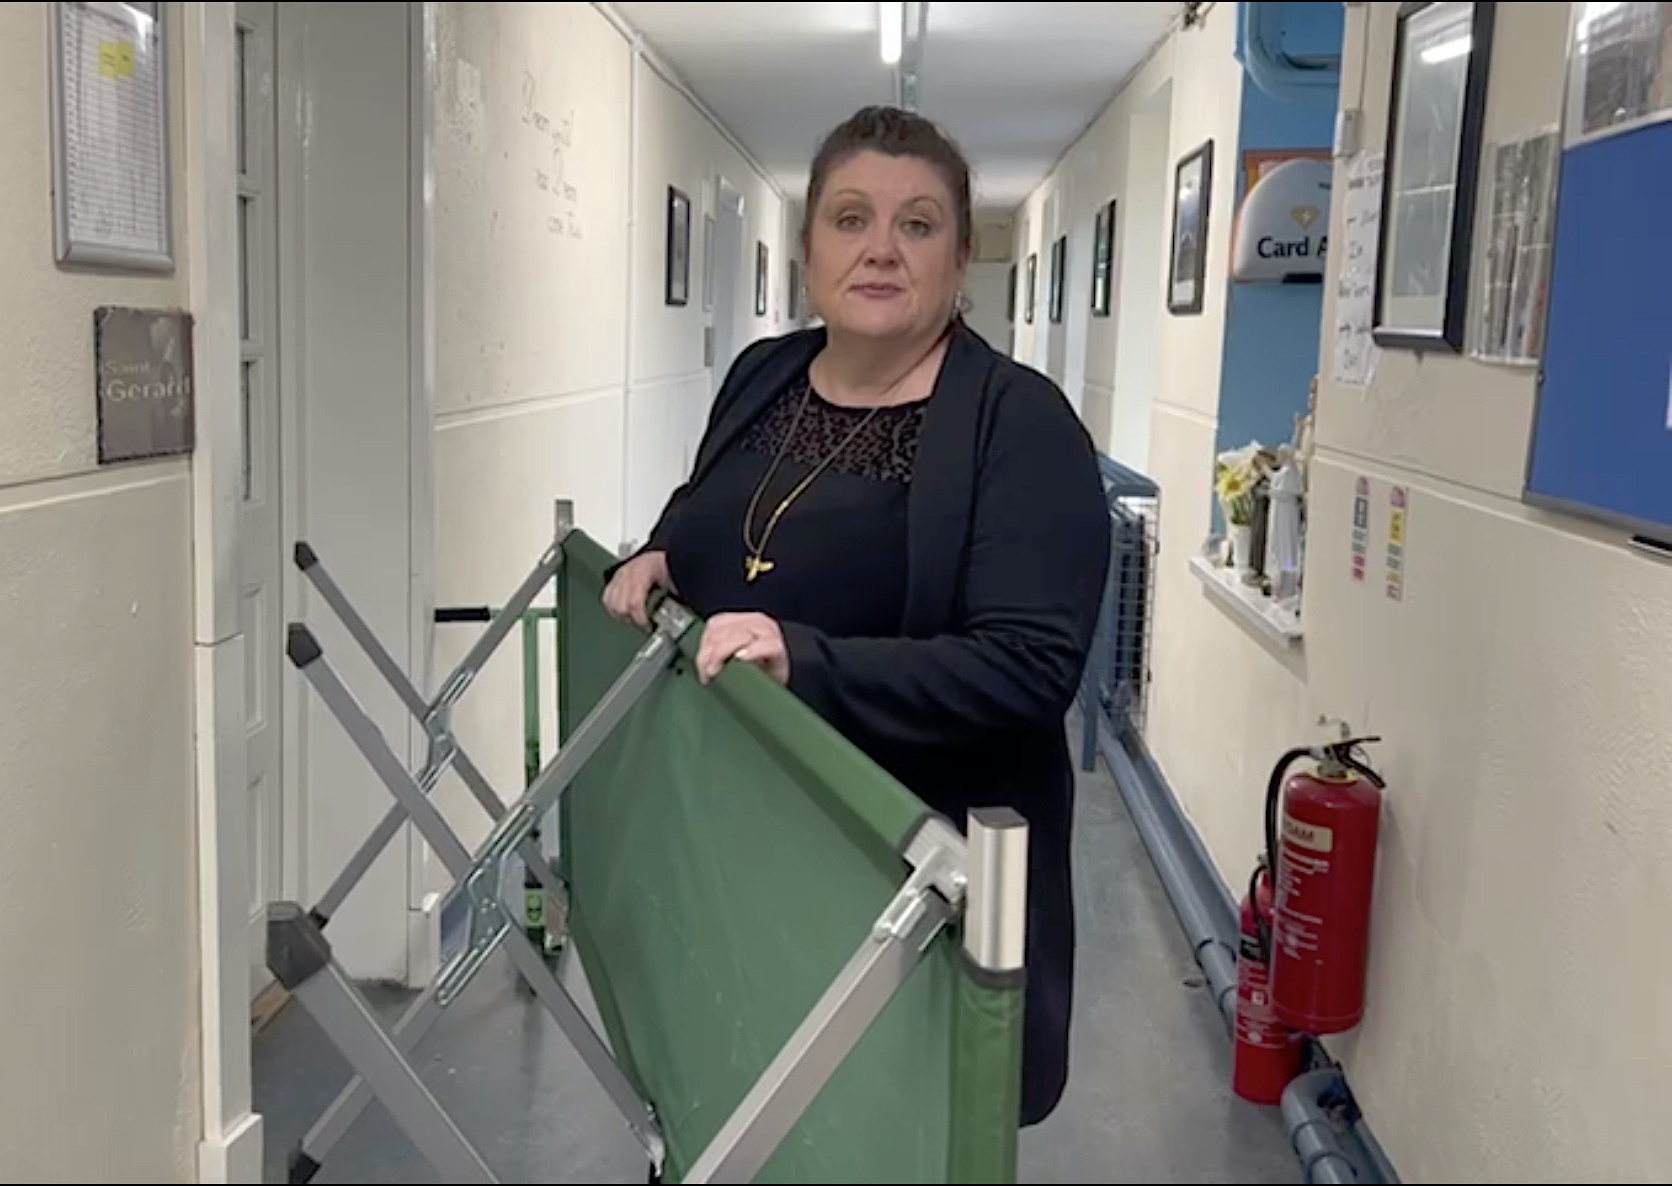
(302, 1167)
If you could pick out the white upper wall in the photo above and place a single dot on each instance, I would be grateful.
(48, 324)
(530, 205)
(561, 371)
(1117, 159)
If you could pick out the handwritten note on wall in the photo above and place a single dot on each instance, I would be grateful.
(1355, 293)
(552, 176)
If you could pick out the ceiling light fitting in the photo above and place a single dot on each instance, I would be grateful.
(891, 30)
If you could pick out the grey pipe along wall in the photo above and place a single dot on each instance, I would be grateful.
(1326, 1130)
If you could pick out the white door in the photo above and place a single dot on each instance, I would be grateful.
(261, 538)
(728, 266)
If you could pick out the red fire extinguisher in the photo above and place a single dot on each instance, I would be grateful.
(1267, 1053)
(1321, 831)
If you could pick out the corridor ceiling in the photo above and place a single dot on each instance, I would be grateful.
(1013, 83)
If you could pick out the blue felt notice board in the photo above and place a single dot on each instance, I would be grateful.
(1602, 437)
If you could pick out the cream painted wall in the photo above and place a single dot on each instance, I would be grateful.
(560, 373)
(1518, 1017)
(100, 1078)
(1098, 167)
(671, 386)
(1519, 1026)
(1198, 651)
(1140, 271)
(1219, 696)
(987, 288)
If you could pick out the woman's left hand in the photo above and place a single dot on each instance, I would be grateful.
(753, 638)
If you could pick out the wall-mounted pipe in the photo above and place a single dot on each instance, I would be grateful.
(1286, 79)
(1185, 872)
(1311, 1132)
(1207, 913)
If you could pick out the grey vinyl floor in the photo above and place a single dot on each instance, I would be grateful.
(1149, 1099)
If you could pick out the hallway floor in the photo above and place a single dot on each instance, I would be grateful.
(1149, 1100)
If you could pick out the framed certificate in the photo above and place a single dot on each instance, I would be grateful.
(112, 191)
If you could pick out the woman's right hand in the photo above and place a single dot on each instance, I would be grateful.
(627, 596)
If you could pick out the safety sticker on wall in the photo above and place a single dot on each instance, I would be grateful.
(1396, 544)
(1361, 528)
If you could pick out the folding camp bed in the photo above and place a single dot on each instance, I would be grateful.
(802, 973)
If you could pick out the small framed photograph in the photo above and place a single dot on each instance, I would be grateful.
(708, 263)
(1059, 276)
(1010, 297)
(1032, 282)
(1187, 270)
(1103, 260)
(1442, 50)
(761, 275)
(677, 278)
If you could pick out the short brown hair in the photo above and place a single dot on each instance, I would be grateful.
(895, 132)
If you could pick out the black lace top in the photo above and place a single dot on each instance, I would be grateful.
(838, 552)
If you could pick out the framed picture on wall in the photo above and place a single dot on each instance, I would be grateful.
(795, 290)
(1103, 260)
(1441, 53)
(677, 275)
(1187, 269)
(707, 262)
(1010, 297)
(760, 278)
(1032, 280)
(1059, 276)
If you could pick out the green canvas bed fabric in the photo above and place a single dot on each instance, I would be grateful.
(726, 853)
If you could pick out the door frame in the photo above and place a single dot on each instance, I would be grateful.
(423, 906)
(230, 1145)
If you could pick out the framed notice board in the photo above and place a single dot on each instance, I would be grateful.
(1602, 433)
(111, 163)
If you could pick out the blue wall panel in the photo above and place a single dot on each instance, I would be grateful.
(1271, 330)
(1602, 439)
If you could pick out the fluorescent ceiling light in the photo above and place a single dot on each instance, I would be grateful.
(1447, 50)
(891, 24)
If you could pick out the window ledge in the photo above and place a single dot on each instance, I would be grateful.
(1281, 626)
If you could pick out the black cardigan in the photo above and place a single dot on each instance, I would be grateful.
(1009, 543)
(1008, 547)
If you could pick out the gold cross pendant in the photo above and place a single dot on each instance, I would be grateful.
(754, 566)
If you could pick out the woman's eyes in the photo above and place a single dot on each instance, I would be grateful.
(920, 228)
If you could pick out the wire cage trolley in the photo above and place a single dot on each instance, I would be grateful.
(907, 910)
(1114, 689)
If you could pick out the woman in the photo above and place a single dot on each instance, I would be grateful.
(905, 528)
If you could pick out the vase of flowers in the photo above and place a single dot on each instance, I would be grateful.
(1236, 473)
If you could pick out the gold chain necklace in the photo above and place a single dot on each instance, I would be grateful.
(755, 563)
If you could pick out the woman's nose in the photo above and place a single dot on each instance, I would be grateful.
(881, 246)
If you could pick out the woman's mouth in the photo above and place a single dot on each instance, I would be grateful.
(877, 291)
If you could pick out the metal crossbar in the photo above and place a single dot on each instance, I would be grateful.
(936, 892)
(298, 949)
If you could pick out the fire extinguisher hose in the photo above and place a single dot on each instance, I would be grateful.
(1262, 930)
(1274, 792)
(1363, 768)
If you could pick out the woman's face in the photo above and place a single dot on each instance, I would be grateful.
(883, 252)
